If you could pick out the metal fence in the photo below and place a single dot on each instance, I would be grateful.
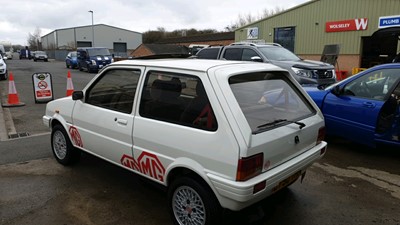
(60, 55)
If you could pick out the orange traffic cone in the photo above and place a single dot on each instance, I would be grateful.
(13, 100)
(70, 85)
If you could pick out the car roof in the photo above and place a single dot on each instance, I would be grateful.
(193, 64)
(386, 66)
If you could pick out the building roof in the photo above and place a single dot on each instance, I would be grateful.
(200, 38)
(165, 48)
(89, 26)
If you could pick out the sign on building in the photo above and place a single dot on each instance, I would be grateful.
(389, 21)
(252, 33)
(347, 25)
(42, 86)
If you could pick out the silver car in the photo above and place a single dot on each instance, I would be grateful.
(40, 55)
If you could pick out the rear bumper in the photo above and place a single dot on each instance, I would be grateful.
(238, 195)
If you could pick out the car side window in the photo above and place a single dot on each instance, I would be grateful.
(115, 90)
(177, 98)
(248, 54)
(375, 85)
(233, 54)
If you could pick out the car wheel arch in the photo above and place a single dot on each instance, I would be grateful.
(185, 167)
(188, 168)
(58, 121)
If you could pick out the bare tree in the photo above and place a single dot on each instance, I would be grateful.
(243, 20)
(34, 41)
(270, 12)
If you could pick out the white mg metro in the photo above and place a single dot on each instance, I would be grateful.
(217, 134)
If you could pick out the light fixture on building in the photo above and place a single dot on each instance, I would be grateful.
(91, 11)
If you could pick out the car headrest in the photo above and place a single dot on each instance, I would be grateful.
(166, 89)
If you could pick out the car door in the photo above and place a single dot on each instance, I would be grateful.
(105, 118)
(354, 113)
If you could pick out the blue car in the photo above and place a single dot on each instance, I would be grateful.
(363, 108)
(71, 60)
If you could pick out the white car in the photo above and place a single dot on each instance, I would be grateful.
(197, 127)
(9, 55)
(3, 69)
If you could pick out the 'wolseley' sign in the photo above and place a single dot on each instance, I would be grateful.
(347, 25)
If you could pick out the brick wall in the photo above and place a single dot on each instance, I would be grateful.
(141, 51)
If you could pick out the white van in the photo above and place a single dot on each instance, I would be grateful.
(218, 134)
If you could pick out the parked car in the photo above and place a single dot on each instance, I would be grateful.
(71, 60)
(363, 108)
(3, 69)
(194, 126)
(9, 55)
(2, 50)
(25, 54)
(304, 71)
(40, 55)
(93, 59)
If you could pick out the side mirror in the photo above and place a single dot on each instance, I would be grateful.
(77, 95)
(336, 90)
(256, 59)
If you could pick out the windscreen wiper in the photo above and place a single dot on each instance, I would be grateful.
(301, 125)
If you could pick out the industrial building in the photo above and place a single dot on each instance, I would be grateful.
(119, 41)
(366, 32)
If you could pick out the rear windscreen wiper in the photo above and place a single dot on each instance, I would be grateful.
(301, 125)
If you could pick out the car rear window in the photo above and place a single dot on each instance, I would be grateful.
(269, 100)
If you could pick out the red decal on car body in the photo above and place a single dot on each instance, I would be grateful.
(75, 136)
(146, 163)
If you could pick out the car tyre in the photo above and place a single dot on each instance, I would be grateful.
(4, 76)
(192, 202)
(63, 150)
(88, 68)
(79, 67)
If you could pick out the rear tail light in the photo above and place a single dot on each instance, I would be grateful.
(249, 167)
(321, 135)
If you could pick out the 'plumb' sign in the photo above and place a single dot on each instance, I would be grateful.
(389, 21)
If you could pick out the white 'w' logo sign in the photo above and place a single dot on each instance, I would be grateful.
(361, 24)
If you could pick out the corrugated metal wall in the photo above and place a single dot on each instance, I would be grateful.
(309, 20)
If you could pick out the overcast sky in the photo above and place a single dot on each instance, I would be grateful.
(18, 18)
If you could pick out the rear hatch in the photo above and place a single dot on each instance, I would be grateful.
(278, 120)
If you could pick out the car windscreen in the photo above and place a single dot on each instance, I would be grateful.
(278, 53)
(98, 51)
(209, 53)
(269, 100)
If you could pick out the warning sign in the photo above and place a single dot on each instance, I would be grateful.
(42, 87)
